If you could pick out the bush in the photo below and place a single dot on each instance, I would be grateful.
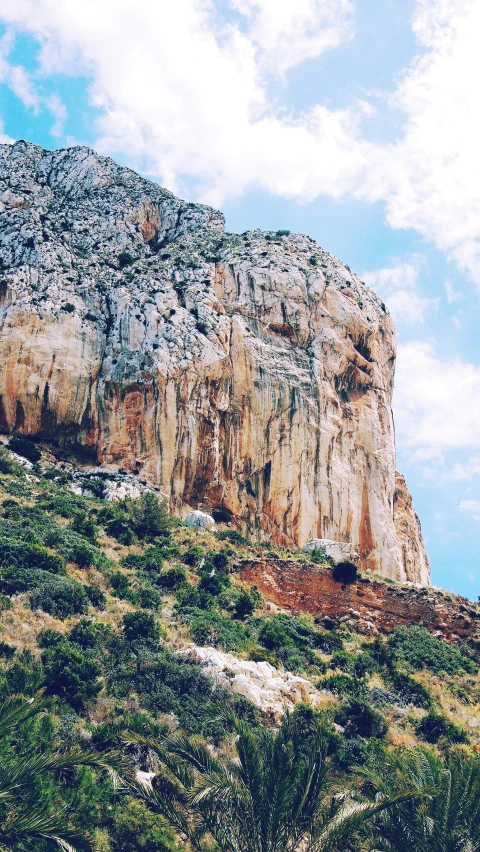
(244, 605)
(146, 518)
(82, 555)
(65, 503)
(344, 685)
(85, 525)
(214, 582)
(149, 599)
(361, 720)
(211, 628)
(411, 691)
(6, 651)
(96, 597)
(435, 726)
(59, 596)
(416, 646)
(140, 626)
(120, 584)
(151, 560)
(26, 554)
(70, 674)
(171, 579)
(137, 829)
(232, 536)
(25, 449)
(7, 464)
(193, 556)
(90, 634)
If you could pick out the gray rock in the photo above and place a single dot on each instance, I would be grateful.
(200, 520)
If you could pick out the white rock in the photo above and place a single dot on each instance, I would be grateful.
(199, 519)
(268, 688)
(339, 551)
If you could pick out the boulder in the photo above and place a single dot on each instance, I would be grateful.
(200, 520)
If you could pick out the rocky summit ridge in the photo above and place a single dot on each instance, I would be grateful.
(248, 375)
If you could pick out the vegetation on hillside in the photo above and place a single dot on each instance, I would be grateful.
(96, 601)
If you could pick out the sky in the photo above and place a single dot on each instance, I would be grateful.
(354, 121)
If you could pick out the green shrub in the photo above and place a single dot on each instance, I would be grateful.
(6, 651)
(25, 554)
(25, 449)
(151, 560)
(417, 647)
(7, 464)
(344, 661)
(70, 674)
(85, 525)
(173, 578)
(63, 503)
(82, 555)
(146, 518)
(244, 605)
(434, 726)
(90, 634)
(137, 829)
(344, 685)
(96, 597)
(361, 720)
(232, 536)
(193, 556)
(149, 598)
(211, 628)
(411, 691)
(120, 584)
(5, 603)
(59, 596)
(138, 626)
(214, 582)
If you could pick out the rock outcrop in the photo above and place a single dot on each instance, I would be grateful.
(246, 375)
(409, 531)
(271, 690)
(367, 605)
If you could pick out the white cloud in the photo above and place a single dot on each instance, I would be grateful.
(465, 470)
(286, 33)
(452, 294)
(183, 92)
(433, 181)
(59, 113)
(436, 403)
(397, 286)
(15, 76)
(472, 507)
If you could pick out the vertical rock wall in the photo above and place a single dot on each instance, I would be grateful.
(250, 375)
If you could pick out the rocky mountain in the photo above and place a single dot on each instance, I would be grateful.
(246, 374)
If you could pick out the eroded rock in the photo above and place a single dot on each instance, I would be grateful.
(268, 688)
(248, 374)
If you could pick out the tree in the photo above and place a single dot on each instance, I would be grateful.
(448, 818)
(269, 798)
(20, 822)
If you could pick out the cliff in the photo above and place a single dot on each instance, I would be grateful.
(249, 375)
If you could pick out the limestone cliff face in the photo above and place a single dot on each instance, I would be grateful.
(249, 375)
(409, 531)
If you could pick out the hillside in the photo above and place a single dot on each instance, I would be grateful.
(248, 374)
(106, 606)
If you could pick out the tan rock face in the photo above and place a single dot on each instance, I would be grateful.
(409, 532)
(249, 376)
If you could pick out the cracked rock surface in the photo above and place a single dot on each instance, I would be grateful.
(246, 375)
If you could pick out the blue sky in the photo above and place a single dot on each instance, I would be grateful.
(354, 121)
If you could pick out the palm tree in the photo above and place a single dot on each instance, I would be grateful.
(267, 798)
(20, 822)
(448, 817)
